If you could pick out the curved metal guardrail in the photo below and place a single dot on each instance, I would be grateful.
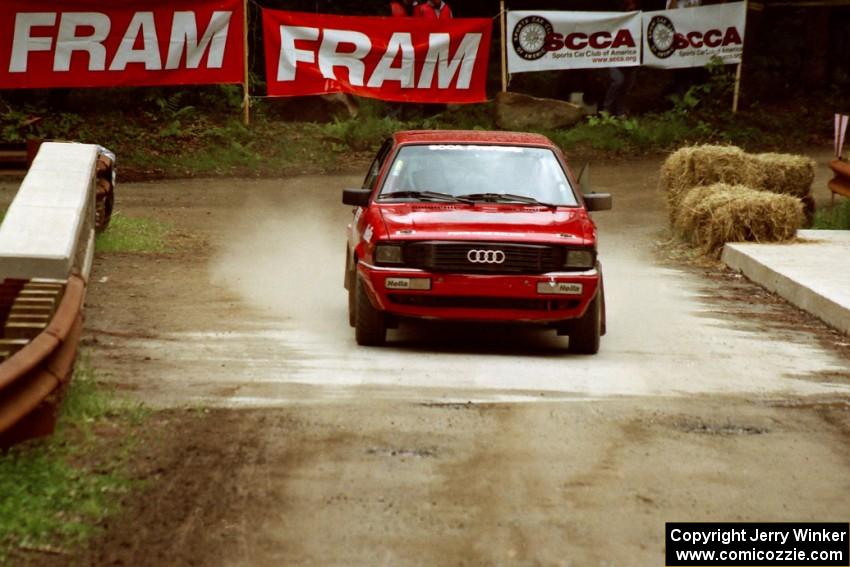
(46, 252)
(31, 380)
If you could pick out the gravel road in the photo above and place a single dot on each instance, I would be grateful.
(452, 445)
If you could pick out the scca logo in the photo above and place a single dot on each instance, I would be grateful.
(534, 36)
(663, 39)
(529, 37)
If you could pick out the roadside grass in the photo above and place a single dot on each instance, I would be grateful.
(214, 147)
(836, 217)
(129, 234)
(55, 490)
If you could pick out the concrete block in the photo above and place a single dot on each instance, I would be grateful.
(813, 273)
(38, 241)
(47, 224)
(55, 189)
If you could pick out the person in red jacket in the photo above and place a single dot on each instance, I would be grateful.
(434, 10)
(403, 8)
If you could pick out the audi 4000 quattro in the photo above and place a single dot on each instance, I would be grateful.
(474, 226)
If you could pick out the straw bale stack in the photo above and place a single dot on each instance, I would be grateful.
(709, 216)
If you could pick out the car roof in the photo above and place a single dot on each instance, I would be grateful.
(471, 136)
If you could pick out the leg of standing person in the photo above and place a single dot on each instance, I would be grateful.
(629, 78)
(615, 87)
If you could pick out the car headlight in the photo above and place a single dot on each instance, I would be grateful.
(388, 254)
(580, 259)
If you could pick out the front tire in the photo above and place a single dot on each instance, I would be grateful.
(352, 307)
(370, 326)
(584, 336)
(104, 203)
(350, 276)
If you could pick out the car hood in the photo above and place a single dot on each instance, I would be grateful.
(487, 222)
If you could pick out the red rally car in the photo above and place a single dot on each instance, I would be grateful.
(474, 226)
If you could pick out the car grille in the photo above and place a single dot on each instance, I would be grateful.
(454, 257)
(464, 302)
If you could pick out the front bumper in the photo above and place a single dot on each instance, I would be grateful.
(478, 297)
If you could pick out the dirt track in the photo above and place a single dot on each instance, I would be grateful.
(710, 400)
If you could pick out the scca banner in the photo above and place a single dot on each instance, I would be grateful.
(87, 43)
(691, 37)
(543, 41)
(397, 59)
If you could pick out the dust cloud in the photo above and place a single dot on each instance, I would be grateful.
(284, 255)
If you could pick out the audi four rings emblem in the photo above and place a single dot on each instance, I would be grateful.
(485, 256)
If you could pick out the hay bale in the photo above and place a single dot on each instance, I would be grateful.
(785, 174)
(695, 166)
(712, 215)
(698, 204)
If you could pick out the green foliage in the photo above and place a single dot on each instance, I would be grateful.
(463, 117)
(168, 106)
(836, 217)
(362, 133)
(225, 98)
(710, 97)
(127, 234)
(635, 134)
(178, 132)
(55, 490)
(16, 124)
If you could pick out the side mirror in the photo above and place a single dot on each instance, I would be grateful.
(584, 178)
(593, 201)
(356, 197)
(598, 201)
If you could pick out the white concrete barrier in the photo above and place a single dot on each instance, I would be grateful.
(812, 273)
(48, 230)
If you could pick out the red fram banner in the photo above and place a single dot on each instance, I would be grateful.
(89, 43)
(397, 59)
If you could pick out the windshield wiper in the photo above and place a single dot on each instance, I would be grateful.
(507, 198)
(427, 195)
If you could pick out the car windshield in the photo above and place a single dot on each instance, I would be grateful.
(492, 173)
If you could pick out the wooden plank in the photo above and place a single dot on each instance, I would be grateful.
(30, 310)
(23, 330)
(12, 346)
(28, 318)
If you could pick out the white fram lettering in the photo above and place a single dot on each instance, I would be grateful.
(438, 56)
(330, 56)
(400, 42)
(357, 45)
(86, 32)
(184, 37)
(23, 42)
(68, 41)
(143, 23)
(291, 55)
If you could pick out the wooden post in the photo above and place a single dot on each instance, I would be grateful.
(246, 101)
(504, 46)
(737, 92)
